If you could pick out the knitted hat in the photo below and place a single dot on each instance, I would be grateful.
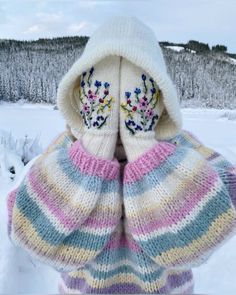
(130, 38)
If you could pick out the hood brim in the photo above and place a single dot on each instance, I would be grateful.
(152, 61)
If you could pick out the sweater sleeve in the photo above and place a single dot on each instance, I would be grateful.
(225, 169)
(179, 205)
(67, 206)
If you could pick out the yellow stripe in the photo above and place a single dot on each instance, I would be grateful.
(123, 278)
(64, 197)
(56, 142)
(220, 225)
(205, 151)
(31, 240)
(142, 211)
(197, 145)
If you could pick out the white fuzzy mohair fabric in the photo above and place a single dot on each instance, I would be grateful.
(136, 144)
(127, 37)
(102, 142)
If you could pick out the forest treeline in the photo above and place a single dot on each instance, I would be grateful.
(31, 70)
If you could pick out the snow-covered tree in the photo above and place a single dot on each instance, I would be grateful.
(32, 70)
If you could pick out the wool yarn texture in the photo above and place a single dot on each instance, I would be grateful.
(97, 98)
(132, 216)
(141, 108)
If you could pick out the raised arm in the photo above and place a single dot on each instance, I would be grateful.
(179, 204)
(66, 207)
(226, 169)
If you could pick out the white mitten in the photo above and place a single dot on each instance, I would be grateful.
(140, 109)
(99, 107)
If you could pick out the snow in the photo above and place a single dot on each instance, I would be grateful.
(215, 128)
(207, 80)
(179, 48)
(233, 60)
(31, 119)
(175, 48)
(20, 273)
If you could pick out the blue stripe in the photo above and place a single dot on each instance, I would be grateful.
(122, 252)
(47, 232)
(194, 230)
(63, 141)
(88, 182)
(182, 141)
(157, 175)
(146, 277)
(222, 163)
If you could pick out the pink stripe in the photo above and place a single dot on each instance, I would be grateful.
(121, 241)
(212, 244)
(153, 158)
(92, 165)
(96, 222)
(43, 195)
(10, 205)
(55, 210)
(178, 214)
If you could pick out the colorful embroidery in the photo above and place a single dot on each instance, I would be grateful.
(141, 112)
(95, 103)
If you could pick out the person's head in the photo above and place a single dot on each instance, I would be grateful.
(121, 39)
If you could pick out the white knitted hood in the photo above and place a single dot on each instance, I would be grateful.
(130, 38)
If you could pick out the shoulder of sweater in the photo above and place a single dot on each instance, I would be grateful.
(63, 140)
(187, 139)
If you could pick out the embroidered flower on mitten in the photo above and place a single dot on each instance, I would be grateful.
(95, 101)
(140, 107)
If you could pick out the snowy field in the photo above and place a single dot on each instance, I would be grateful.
(21, 274)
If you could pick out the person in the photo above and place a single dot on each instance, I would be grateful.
(125, 200)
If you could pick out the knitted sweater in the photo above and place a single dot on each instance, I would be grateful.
(179, 202)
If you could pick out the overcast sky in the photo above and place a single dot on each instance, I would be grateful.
(210, 21)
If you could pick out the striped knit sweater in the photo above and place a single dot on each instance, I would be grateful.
(178, 203)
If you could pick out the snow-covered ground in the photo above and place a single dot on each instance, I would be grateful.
(179, 48)
(175, 48)
(233, 60)
(21, 274)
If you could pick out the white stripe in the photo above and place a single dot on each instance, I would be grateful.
(53, 218)
(51, 262)
(78, 198)
(57, 223)
(174, 228)
(127, 278)
(110, 267)
(190, 165)
(61, 179)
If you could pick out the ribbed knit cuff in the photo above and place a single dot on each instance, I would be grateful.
(92, 165)
(148, 161)
(100, 145)
(134, 148)
(138, 144)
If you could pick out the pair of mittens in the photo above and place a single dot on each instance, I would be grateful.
(178, 205)
(116, 94)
